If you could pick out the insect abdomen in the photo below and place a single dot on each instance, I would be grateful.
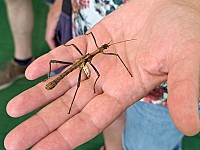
(51, 85)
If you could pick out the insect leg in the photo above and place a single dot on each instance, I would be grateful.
(98, 74)
(114, 54)
(93, 38)
(75, 48)
(78, 85)
(57, 61)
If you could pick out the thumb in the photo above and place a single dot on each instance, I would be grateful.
(183, 86)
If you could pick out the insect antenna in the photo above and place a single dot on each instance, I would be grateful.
(120, 42)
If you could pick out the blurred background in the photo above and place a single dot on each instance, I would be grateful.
(40, 47)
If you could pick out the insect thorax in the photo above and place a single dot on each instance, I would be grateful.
(104, 46)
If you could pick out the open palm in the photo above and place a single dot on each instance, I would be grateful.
(166, 48)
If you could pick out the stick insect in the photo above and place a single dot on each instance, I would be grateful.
(81, 63)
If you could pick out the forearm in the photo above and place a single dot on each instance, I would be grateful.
(56, 7)
(52, 22)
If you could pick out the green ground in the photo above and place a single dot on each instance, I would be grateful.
(40, 47)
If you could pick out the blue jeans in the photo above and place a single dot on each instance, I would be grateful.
(150, 127)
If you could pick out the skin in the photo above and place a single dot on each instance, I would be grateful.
(167, 48)
(21, 25)
(52, 21)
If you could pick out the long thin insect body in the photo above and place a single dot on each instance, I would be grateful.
(78, 63)
(88, 57)
(82, 64)
(53, 83)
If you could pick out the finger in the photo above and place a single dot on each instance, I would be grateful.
(98, 114)
(38, 95)
(49, 118)
(41, 66)
(183, 86)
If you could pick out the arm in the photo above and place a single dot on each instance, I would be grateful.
(167, 48)
(52, 21)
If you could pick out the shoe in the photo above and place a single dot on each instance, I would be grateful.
(10, 73)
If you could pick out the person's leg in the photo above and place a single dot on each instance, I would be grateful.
(149, 126)
(20, 15)
(113, 134)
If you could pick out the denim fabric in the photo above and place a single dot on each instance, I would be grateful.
(149, 127)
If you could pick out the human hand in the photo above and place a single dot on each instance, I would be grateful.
(166, 49)
(52, 21)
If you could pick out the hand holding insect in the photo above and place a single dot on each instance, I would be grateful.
(164, 50)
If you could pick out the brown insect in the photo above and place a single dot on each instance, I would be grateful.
(81, 63)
